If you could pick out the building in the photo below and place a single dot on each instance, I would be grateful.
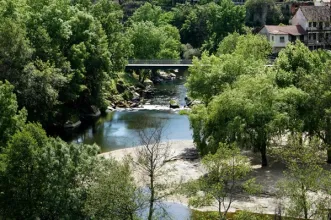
(315, 20)
(280, 36)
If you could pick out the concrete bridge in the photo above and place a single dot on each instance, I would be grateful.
(158, 64)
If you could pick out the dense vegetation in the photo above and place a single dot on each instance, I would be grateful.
(61, 59)
(258, 107)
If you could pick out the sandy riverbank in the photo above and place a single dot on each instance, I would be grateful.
(184, 168)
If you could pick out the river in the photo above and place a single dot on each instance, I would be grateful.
(117, 130)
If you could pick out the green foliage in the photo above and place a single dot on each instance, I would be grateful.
(211, 75)
(188, 52)
(11, 120)
(249, 46)
(207, 25)
(68, 50)
(249, 112)
(116, 197)
(152, 13)
(294, 63)
(228, 44)
(309, 71)
(306, 183)
(43, 177)
(39, 92)
(263, 12)
(151, 42)
(244, 104)
(227, 175)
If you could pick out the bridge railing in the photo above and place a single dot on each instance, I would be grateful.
(159, 61)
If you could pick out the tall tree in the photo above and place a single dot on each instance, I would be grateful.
(250, 113)
(227, 176)
(151, 158)
(11, 119)
(208, 24)
(114, 195)
(306, 184)
(309, 71)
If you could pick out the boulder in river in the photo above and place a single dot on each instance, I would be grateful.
(148, 82)
(174, 103)
(72, 125)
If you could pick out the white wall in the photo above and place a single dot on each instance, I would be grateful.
(299, 19)
(276, 42)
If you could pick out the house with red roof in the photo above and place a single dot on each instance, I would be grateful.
(316, 21)
(279, 36)
(310, 24)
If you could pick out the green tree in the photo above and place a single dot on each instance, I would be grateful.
(212, 74)
(309, 71)
(237, 55)
(15, 50)
(151, 42)
(39, 93)
(208, 24)
(306, 183)
(262, 12)
(44, 177)
(114, 195)
(150, 163)
(227, 176)
(11, 120)
(250, 113)
(110, 15)
(152, 13)
(228, 44)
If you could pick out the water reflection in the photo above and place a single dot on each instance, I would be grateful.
(119, 129)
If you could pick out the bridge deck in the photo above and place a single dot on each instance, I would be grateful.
(157, 64)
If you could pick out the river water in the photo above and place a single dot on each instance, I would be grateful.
(117, 129)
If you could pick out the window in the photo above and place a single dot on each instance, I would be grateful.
(282, 39)
(310, 36)
(309, 24)
(327, 24)
(272, 38)
(314, 24)
(314, 36)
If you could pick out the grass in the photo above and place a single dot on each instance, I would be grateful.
(239, 215)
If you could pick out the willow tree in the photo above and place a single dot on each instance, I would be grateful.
(310, 71)
(250, 112)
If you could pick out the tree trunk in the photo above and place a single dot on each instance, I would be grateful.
(303, 197)
(263, 150)
(328, 139)
(138, 72)
(329, 154)
(151, 201)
